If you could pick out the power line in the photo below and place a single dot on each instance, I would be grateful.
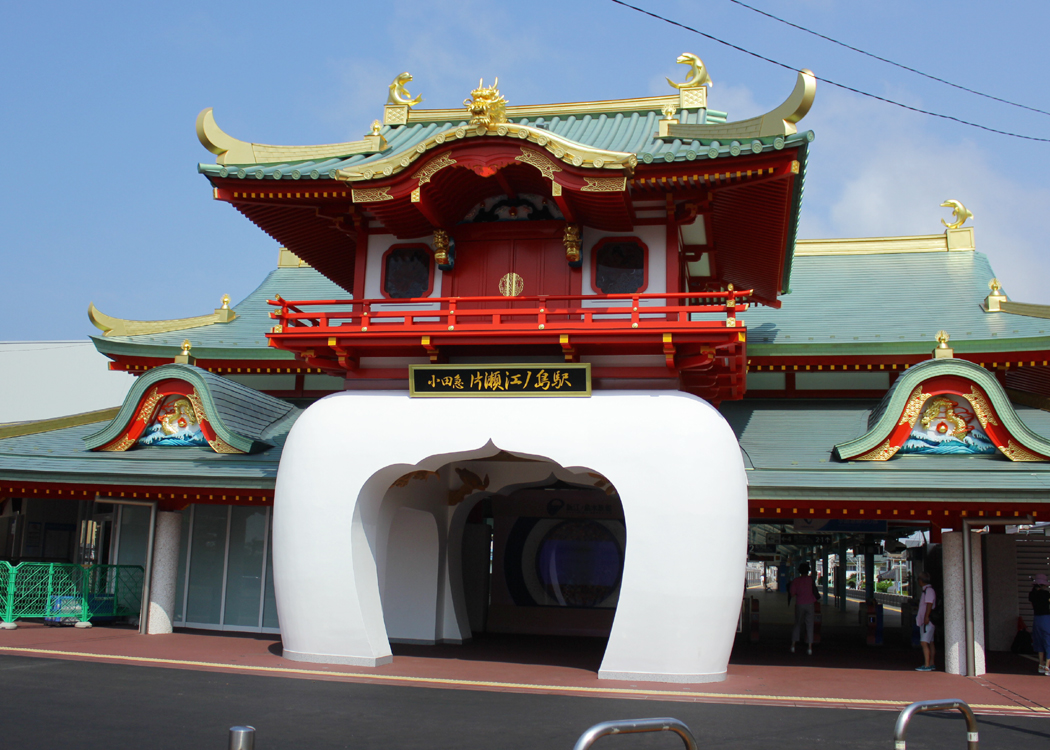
(889, 62)
(829, 81)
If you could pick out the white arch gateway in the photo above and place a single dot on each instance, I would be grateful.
(672, 458)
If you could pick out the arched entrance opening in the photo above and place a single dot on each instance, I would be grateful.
(505, 544)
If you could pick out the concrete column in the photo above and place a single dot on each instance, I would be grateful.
(954, 614)
(1000, 561)
(869, 568)
(165, 573)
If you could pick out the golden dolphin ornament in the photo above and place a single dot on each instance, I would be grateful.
(399, 94)
(958, 211)
(698, 75)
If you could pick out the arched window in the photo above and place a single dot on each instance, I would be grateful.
(619, 265)
(408, 271)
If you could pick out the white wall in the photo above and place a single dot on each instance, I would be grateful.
(673, 459)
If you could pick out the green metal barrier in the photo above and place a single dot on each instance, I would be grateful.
(60, 591)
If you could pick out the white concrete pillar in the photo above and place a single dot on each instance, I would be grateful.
(163, 580)
(954, 613)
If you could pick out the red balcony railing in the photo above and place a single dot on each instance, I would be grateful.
(657, 312)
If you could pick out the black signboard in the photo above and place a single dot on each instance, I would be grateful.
(443, 381)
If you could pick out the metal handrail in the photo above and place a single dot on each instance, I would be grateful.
(633, 726)
(940, 705)
(242, 738)
(457, 310)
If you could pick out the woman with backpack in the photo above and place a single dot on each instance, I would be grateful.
(1039, 597)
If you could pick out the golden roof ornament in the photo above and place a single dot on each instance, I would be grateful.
(485, 106)
(698, 75)
(993, 302)
(959, 213)
(375, 128)
(184, 357)
(225, 302)
(943, 351)
(399, 94)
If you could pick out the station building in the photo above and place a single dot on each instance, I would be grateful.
(546, 369)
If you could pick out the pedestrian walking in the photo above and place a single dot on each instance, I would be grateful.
(804, 589)
(927, 601)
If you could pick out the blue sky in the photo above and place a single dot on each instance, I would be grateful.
(101, 200)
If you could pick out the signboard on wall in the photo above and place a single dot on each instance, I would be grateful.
(499, 380)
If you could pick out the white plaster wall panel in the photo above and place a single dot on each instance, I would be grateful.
(680, 593)
(953, 602)
(164, 575)
(655, 238)
(379, 244)
(411, 582)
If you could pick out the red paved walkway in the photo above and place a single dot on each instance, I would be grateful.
(838, 675)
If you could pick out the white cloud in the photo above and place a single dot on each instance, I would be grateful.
(877, 172)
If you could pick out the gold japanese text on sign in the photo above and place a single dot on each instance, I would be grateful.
(443, 381)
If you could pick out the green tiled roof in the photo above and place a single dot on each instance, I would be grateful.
(629, 132)
(243, 337)
(244, 418)
(62, 456)
(788, 452)
(888, 303)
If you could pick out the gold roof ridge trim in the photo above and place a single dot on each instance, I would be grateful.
(39, 426)
(570, 152)
(532, 111)
(921, 243)
(779, 121)
(111, 326)
(230, 150)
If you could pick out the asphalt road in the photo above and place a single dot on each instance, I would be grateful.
(47, 703)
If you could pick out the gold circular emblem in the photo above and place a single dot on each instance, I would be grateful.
(511, 285)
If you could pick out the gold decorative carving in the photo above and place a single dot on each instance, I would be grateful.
(121, 445)
(218, 444)
(399, 94)
(546, 166)
(933, 413)
(884, 452)
(395, 114)
(221, 446)
(441, 246)
(486, 106)
(1016, 452)
(571, 238)
(698, 75)
(913, 407)
(959, 213)
(604, 185)
(371, 195)
(981, 407)
(149, 405)
(511, 285)
(432, 167)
